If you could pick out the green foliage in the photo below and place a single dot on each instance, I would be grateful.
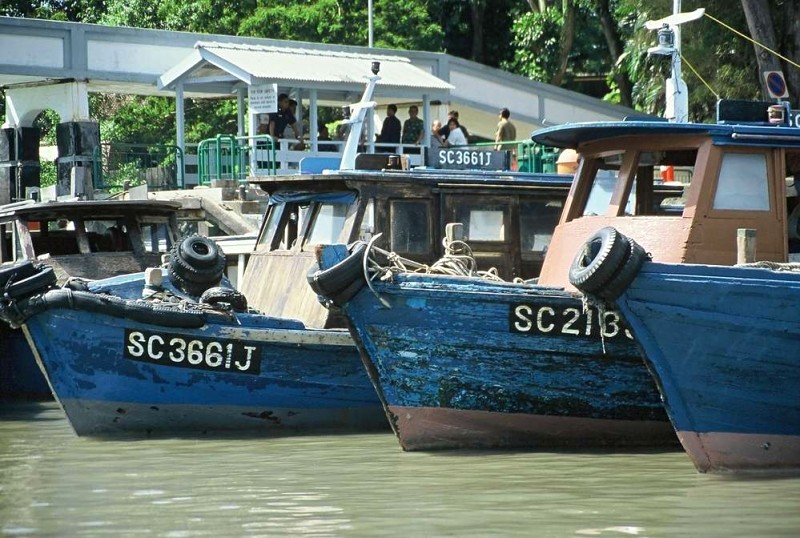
(46, 122)
(536, 44)
(48, 173)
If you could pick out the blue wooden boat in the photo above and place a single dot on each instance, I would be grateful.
(140, 353)
(467, 362)
(145, 374)
(79, 239)
(722, 343)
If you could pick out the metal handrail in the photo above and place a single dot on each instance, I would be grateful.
(228, 156)
(135, 160)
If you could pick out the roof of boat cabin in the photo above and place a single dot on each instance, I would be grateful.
(94, 209)
(573, 135)
(428, 177)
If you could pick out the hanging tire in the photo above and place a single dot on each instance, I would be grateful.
(630, 267)
(342, 297)
(198, 251)
(332, 281)
(42, 280)
(218, 296)
(599, 258)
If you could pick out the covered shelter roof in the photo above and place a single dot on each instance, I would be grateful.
(217, 69)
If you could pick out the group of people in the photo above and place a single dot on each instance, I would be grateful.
(283, 123)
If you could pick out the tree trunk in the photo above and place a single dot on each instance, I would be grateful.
(791, 49)
(615, 50)
(567, 38)
(477, 10)
(760, 25)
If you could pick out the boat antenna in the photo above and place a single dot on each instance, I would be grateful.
(354, 116)
(669, 44)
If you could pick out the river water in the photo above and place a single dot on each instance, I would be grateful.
(53, 483)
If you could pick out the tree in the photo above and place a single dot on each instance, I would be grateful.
(760, 23)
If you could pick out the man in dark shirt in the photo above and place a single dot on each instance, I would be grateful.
(390, 131)
(283, 117)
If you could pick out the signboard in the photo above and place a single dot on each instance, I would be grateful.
(469, 159)
(776, 84)
(794, 118)
(263, 98)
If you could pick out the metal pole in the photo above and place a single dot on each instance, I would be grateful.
(369, 22)
(681, 106)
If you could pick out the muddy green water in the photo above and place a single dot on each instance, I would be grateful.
(53, 483)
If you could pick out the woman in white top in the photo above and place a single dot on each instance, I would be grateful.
(456, 136)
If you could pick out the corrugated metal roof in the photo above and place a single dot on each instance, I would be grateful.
(299, 67)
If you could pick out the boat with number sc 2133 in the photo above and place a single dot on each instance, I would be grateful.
(535, 368)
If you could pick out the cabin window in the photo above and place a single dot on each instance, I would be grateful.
(743, 182)
(538, 219)
(107, 236)
(605, 181)
(482, 221)
(6, 242)
(271, 225)
(410, 226)
(155, 237)
(656, 185)
(328, 224)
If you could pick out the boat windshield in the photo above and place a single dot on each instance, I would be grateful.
(632, 183)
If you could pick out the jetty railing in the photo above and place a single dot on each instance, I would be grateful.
(116, 164)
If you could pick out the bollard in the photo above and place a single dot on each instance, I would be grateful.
(745, 245)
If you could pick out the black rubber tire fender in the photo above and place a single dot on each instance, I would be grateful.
(199, 251)
(335, 279)
(630, 267)
(218, 295)
(195, 289)
(598, 259)
(201, 275)
(42, 280)
(16, 272)
(343, 297)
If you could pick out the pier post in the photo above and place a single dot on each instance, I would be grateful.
(745, 245)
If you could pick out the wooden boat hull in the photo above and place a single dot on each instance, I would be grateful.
(730, 381)
(454, 373)
(20, 378)
(114, 375)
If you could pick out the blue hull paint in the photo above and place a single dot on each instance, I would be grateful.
(447, 365)
(731, 380)
(20, 377)
(112, 374)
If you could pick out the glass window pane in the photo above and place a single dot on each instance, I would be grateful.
(742, 183)
(328, 224)
(272, 223)
(538, 219)
(409, 227)
(485, 225)
(155, 237)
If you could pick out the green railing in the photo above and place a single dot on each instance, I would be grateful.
(531, 157)
(115, 165)
(235, 157)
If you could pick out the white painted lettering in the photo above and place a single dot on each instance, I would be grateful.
(524, 324)
(136, 339)
(151, 352)
(540, 318)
